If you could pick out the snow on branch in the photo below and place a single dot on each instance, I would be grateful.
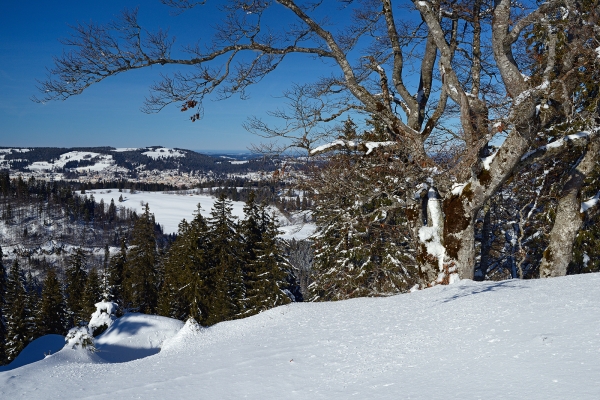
(340, 144)
(558, 143)
(593, 202)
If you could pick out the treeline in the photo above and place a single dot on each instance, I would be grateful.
(217, 269)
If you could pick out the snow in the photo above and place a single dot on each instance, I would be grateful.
(586, 205)
(373, 145)
(327, 146)
(238, 162)
(104, 161)
(526, 93)
(515, 339)
(104, 315)
(558, 143)
(430, 236)
(36, 351)
(135, 336)
(163, 152)
(457, 188)
(122, 149)
(169, 208)
(487, 161)
(8, 151)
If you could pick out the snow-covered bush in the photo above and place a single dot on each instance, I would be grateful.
(103, 317)
(80, 337)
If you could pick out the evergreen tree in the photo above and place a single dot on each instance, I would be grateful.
(76, 277)
(51, 316)
(362, 238)
(184, 292)
(104, 277)
(140, 281)
(16, 313)
(33, 290)
(116, 269)
(92, 293)
(2, 308)
(225, 279)
(264, 269)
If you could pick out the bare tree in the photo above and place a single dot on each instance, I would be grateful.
(441, 75)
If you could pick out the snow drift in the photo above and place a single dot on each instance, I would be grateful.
(512, 339)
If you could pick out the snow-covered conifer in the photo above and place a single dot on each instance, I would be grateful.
(103, 317)
(76, 276)
(2, 313)
(225, 280)
(140, 280)
(80, 337)
(51, 316)
(17, 334)
(265, 267)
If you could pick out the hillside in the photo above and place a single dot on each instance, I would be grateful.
(109, 163)
(516, 339)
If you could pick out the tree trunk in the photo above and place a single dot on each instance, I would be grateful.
(569, 219)
(487, 239)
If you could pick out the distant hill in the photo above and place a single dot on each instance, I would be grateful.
(127, 160)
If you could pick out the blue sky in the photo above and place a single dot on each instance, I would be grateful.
(108, 113)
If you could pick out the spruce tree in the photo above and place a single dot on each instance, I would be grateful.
(140, 281)
(16, 315)
(51, 316)
(361, 245)
(184, 292)
(92, 293)
(116, 268)
(33, 290)
(2, 308)
(266, 267)
(225, 278)
(76, 277)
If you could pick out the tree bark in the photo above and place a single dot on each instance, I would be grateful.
(569, 218)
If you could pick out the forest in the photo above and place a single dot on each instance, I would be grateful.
(214, 269)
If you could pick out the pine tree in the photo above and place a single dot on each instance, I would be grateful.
(76, 277)
(140, 281)
(16, 313)
(51, 316)
(225, 278)
(2, 308)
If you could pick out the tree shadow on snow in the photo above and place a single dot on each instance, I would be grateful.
(114, 353)
(483, 287)
(116, 348)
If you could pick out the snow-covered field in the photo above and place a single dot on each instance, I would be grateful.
(104, 161)
(163, 152)
(537, 339)
(170, 208)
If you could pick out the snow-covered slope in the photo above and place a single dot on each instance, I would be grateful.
(169, 208)
(36, 351)
(135, 336)
(495, 340)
